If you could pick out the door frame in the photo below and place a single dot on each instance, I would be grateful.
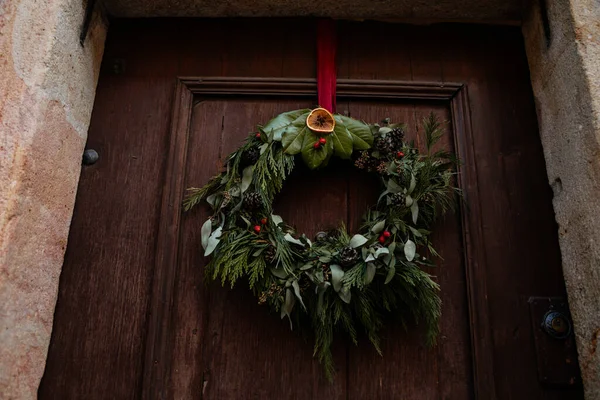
(158, 340)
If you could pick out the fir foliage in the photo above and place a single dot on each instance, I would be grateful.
(342, 283)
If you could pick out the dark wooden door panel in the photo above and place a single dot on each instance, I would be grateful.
(135, 317)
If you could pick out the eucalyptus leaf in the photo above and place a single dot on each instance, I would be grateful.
(291, 239)
(384, 129)
(297, 292)
(247, 177)
(212, 199)
(345, 295)
(370, 257)
(415, 232)
(325, 259)
(390, 274)
(381, 251)
(413, 183)
(357, 241)
(205, 232)
(393, 187)
(337, 273)
(378, 227)
(410, 249)
(288, 306)
(414, 209)
(276, 219)
(306, 266)
(263, 147)
(369, 273)
(321, 289)
(279, 273)
(408, 201)
(213, 241)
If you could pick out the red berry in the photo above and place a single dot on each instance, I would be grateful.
(386, 234)
(257, 229)
(317, 145)
(322, 140)
(263, 221)
(257, 135)
(381, 239)
(399, 154)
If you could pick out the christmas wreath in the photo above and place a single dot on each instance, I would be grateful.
(339, 282)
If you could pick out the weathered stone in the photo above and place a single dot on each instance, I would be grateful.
(47, 87)
(565, 77)
(423, 10)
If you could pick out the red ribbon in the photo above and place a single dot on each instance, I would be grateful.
(326, 71)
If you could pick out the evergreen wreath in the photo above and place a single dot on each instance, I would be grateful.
(340, 282)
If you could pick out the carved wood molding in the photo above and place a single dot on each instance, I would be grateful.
(159, 343)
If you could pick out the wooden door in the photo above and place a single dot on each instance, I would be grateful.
(135, 317)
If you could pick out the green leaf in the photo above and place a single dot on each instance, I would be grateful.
(247, 177)
(415, 232)
(413, 183)
(370, 273)
(276, 219)
(362, 138)
(292, 141)
(410, 249)
(357, 241)
(384, 129)
(408, 201)
(322, 288)
(306, 267)
(393, 187)
(212, 199)
(263, 147)
(390, 274)
(291, 239)
(414, 209)
(382, 250)
(312, 157)
(213, 241)
(276, 127)
(279, 273)
(297, 292)
(288, 306)
(378, 227)
(342, 142)
(337, 273)
(345, 295)
(205, 232)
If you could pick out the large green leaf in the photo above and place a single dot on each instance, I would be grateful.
(293, 139)
(342, 142)
(362, 137)
(276, 127)
(313, 158)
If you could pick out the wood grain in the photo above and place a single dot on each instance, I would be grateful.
(114, 309)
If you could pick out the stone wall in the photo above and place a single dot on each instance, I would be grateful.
(47, 87)
(565, 75)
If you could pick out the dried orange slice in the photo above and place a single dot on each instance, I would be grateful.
(320, 120)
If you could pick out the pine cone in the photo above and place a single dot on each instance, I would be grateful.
(398, 200)
(250, 156)
(270, 253)
(397, 136)
(385, 145)
(348, 256)
(252, 201)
